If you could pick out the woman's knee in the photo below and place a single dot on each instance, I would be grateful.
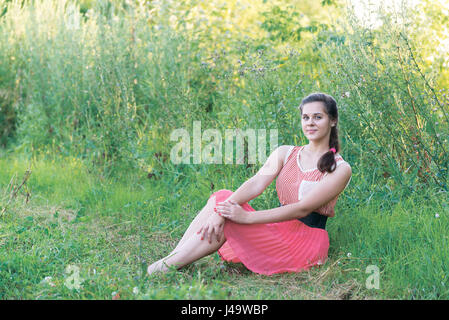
(222, 194)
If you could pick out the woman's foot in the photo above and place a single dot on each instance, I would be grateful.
(158, 266)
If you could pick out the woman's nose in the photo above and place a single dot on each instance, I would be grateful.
(310, 121)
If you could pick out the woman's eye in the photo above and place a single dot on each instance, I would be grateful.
(317, 117)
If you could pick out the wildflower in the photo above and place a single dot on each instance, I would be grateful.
(349, 254)
(135, 290)
(47, 280)
(347, 94)
(437, 215)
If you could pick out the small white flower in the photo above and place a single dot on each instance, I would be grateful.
(437, 215)
(113, 293)
(135, 290)
(347, 94)
(47, 280)
(349, 254)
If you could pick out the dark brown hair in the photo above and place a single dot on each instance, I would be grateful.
(327, 161)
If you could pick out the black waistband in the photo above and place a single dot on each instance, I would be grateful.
(313, 220)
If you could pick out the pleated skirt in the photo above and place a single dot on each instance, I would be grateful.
(270, 248)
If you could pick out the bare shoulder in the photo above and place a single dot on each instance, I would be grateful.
(270, 170)
(279, 153)
(341, 175)
(346, 166)
(284, 149)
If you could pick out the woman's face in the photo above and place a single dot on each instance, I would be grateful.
(315, 122)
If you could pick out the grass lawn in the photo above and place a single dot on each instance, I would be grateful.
(71, 234)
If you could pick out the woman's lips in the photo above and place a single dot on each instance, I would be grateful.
(311, 131)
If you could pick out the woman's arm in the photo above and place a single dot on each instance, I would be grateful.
(254, 186)
(323, 192)
(249, 190)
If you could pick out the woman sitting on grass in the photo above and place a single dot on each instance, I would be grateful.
(292, 237)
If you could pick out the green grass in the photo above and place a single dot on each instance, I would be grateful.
(111, 228)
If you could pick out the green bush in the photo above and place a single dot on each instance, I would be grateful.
(396, 120)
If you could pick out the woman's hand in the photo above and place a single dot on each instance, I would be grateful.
(233, 211)
(213, 227)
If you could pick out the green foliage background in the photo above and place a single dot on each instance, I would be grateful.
(107, 81)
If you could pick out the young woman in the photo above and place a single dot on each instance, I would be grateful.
(292, 237)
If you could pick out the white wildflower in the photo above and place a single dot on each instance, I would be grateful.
(47, 280)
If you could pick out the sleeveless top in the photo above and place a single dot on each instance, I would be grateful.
(293, 182)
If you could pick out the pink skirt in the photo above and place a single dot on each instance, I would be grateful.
(288, 246)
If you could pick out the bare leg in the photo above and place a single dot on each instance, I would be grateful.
(198, 222)
(190, 248)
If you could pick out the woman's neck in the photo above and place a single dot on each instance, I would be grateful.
(316, 150)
